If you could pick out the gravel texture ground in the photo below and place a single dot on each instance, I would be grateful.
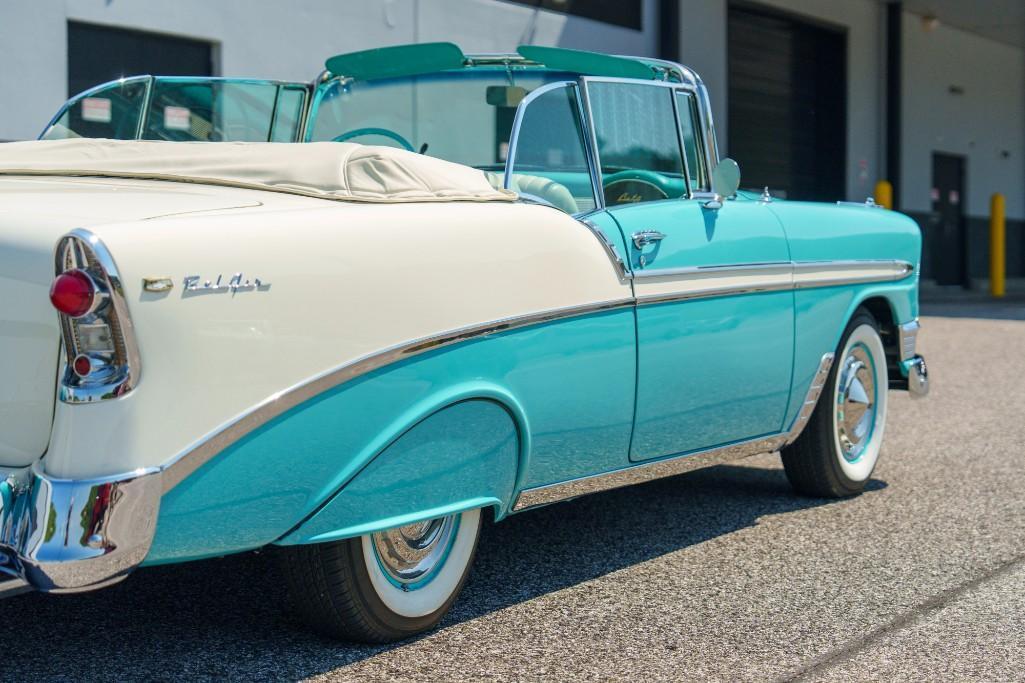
(718, 574)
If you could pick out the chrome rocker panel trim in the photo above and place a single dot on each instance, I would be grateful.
(66, 536)
(669, 467)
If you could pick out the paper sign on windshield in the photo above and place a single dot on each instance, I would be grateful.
(96, 109)
(176, 118)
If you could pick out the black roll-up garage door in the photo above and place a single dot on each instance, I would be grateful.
(787, 104)
(97, 54)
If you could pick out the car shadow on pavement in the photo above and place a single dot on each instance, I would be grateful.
(225, 618)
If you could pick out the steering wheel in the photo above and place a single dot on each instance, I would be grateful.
(384, 132)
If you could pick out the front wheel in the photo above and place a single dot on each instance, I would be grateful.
(386, 586)
(837, 452)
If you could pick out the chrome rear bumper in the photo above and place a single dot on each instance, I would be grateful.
(70, 535)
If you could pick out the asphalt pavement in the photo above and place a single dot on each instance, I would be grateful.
(718, 574)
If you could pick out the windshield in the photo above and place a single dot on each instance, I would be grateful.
(461, 116)
(185, 109)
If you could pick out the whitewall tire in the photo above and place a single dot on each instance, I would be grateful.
(838, 450)
(385, 586)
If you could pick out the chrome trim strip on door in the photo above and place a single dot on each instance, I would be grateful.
(205, 449)
(727, 270)
(195, 457)
(699, 282)
(704, 282)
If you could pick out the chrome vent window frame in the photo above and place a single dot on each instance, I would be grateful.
(82, 249)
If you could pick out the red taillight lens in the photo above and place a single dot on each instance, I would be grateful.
(82, 366)
(73, 293)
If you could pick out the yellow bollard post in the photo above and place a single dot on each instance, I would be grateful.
(884, 194)
(997, 246)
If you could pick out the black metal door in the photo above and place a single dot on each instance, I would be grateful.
(787, 103)
(947, 236)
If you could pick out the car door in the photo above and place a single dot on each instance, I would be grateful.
(715, 318)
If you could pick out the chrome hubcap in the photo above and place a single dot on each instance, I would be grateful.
(855, 402)
(411, 554)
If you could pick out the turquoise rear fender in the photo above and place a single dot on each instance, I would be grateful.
(574, 379)
(463, 456)
(460, 427)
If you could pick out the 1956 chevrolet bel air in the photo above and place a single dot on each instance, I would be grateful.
(540, 283)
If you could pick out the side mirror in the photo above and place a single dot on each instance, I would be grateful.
(726, 178)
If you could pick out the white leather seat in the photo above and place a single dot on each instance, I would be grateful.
(554, 193)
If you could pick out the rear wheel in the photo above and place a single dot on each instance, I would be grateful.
(384, 586)
(837, 452)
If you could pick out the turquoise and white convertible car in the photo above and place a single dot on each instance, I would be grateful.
(353, 319)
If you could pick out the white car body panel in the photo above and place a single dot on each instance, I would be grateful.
(34, 214)
(209, 358)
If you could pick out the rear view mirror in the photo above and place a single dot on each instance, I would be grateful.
(726, 178)
(505, 95)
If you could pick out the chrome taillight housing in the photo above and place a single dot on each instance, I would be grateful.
(102, 358)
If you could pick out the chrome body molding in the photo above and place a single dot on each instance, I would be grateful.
(811, 399)
(188, 462)
(681, 464)
(713, 281)
(65, 536)
(610, 250)
(701, 283)
(751, 278)
(643, 472)
(808, 274)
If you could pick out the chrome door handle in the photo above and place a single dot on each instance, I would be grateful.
(645, 237)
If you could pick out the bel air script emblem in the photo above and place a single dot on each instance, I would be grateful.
(194, 283)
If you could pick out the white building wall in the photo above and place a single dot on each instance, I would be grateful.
(290, 40)
(282, 39)
(703, 45)
(981, 124)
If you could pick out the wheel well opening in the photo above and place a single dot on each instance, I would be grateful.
(880, 309)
